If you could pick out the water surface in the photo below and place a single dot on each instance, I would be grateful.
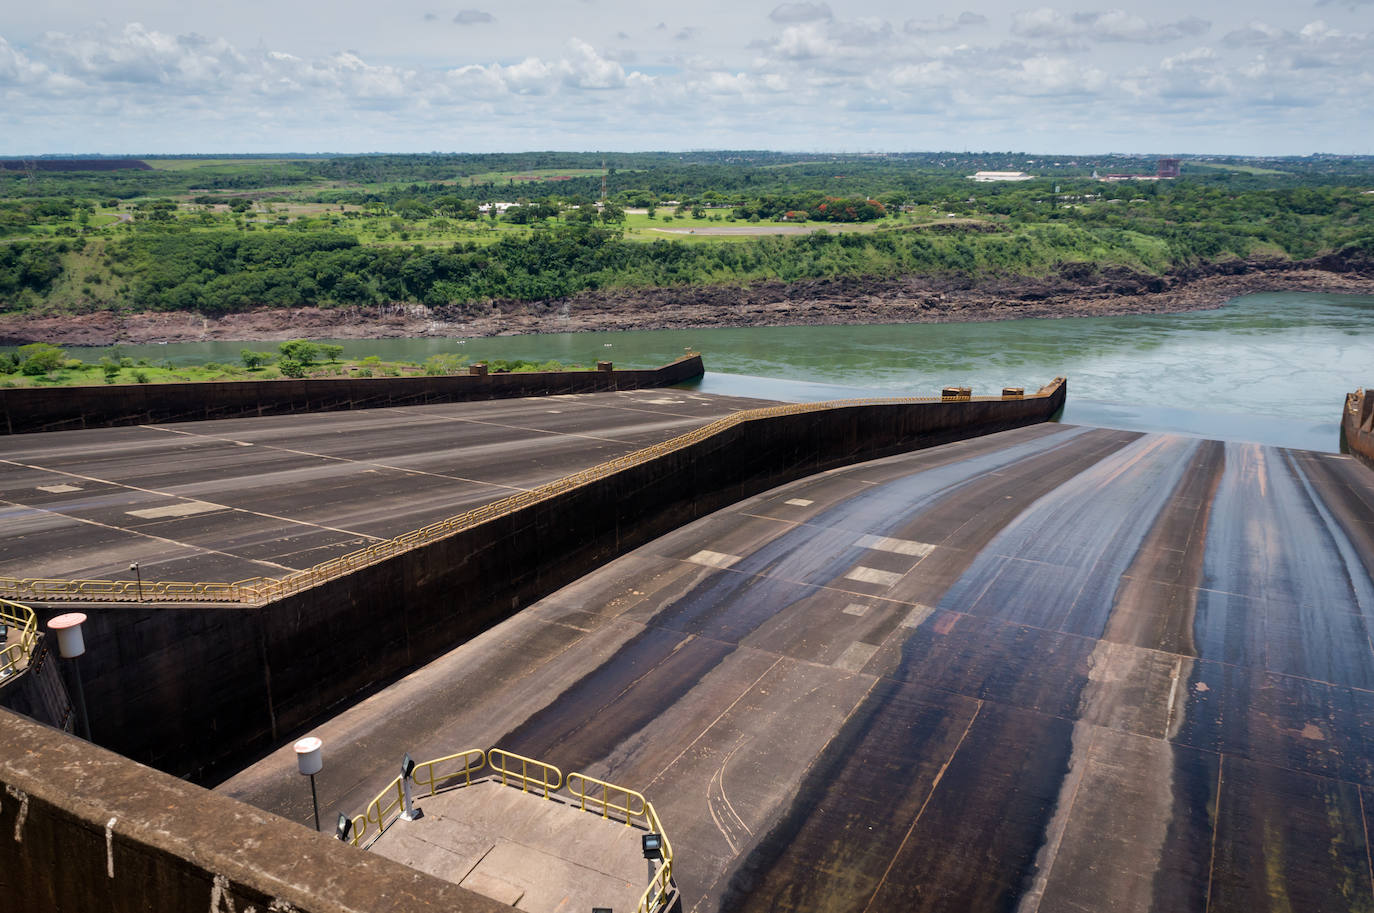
(1272, 368)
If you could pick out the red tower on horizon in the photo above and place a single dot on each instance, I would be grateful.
(1168, 168)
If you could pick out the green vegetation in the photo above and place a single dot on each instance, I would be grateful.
(218, 235)
(42, 365)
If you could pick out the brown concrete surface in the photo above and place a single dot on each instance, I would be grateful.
(1054, 668)
(88, 831)
(538, 855)
(1357, 426)
(239, 498)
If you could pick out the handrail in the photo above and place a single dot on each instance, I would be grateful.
(379, 814)
(382, 811)
(635, 805)
(525, 780)
(660, 889)
(17, 654)
(435, 782)
(260, 590)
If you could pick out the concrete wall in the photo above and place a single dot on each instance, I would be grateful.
(201, 691)
(83, 830)
(31, 409)
(1357, 426)
(39, 691)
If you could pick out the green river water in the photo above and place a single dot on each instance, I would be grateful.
(1272, 368)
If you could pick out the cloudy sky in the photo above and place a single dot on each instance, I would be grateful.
(144, 76)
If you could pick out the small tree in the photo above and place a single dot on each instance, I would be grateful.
(111, 369)
(301, 351)
(40, 358)
(291, 368)
(331, 353)
(254, 360)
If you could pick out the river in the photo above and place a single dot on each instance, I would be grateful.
(1272, 368)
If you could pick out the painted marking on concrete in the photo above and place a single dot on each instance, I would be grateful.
(897, 546)
(799, 502)
(857, 609)
(873, 575)
(661, 401)
(855, 656)
(59, 489)
(185, 509)
(916, 616)
(713, 559)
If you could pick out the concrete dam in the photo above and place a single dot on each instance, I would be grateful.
(928, 656)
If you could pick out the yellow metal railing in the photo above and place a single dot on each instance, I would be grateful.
(436, 774)
(497, 760)
(436, 780)
(24, 624)
(633, 806)
(443, 773)
(660, 890)
(379, 813)
(265, 589)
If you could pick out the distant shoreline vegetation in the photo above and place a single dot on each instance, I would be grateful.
(42, 365)
(225, 236)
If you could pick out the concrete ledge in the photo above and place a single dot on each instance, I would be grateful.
(1357, 426)
(83, 829)
(33, 409)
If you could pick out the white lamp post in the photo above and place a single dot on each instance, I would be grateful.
(309, 763)
(71, 645)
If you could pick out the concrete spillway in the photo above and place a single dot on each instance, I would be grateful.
(1055, 668)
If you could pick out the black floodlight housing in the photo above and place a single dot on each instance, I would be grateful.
(407, 766)
(653, 846)
(602, 910)
(345, 828)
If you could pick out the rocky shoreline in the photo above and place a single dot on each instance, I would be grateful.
(1079, 291)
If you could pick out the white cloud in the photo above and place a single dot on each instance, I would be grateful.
(942, 24)
(1045, 76)
(1108, 25)
(801, 12)
(473, 17)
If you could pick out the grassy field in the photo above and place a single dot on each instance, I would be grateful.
(533, 176)
(248, 165)
(1238, 169)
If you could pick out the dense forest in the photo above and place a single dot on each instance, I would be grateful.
(226, 235)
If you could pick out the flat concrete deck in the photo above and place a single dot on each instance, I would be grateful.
(239, 498)
(538, 855)
(1056, 668)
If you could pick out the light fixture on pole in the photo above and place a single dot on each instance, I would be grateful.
(652, 844)
(138, 575)
(407, 769)
(309, 763)
(71, 645)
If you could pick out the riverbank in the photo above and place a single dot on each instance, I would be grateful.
(1081, 292)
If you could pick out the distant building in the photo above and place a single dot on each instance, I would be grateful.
(1165, 170)
(999, 176)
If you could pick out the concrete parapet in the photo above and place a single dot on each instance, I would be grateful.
(1357, 426)
(30, 409)
(85, 829)
(198, 690)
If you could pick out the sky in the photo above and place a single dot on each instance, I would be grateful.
(1267, 77)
